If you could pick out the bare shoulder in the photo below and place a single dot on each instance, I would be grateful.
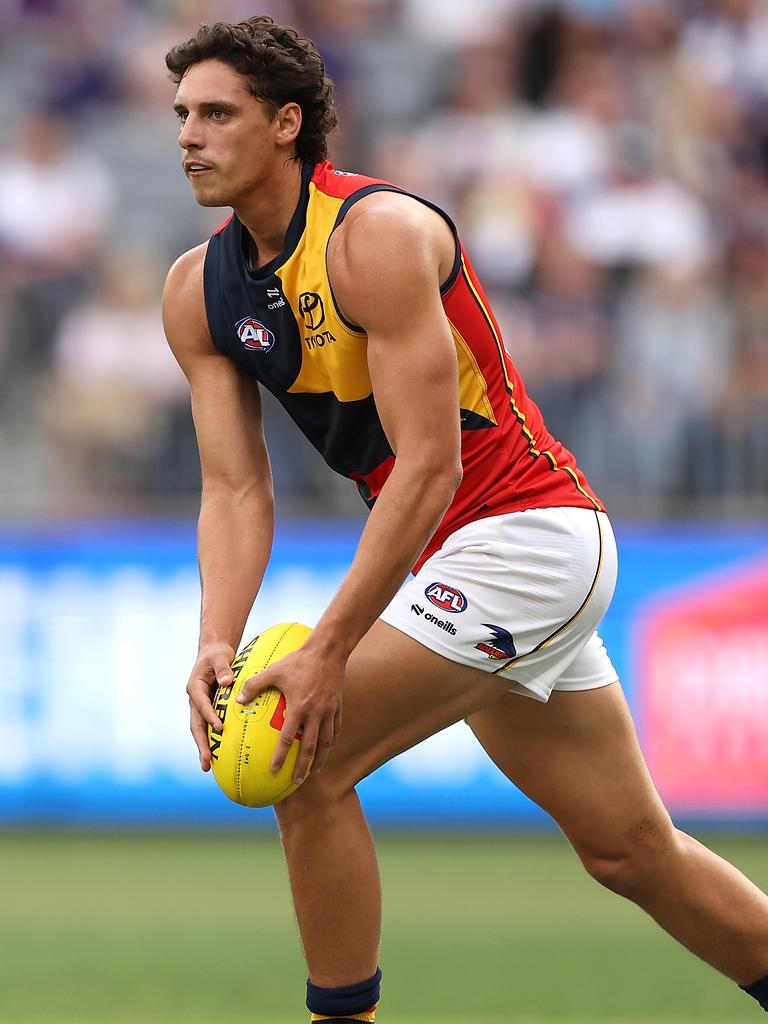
(184, 316)
(184, 283)
(388, 241)
(391, 220)
(393, 208)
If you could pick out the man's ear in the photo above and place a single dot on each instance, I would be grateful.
(288, 118)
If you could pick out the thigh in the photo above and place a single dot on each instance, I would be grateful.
(398, 692)
(578, 757)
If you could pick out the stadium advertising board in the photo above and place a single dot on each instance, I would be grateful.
(703, 687)
(98, 632)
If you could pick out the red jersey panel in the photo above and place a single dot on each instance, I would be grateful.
(519, 465)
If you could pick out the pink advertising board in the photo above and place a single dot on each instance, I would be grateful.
(701, 655)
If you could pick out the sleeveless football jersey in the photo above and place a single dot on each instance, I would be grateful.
(280, 323)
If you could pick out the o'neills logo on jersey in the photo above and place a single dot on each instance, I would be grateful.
(254, 335)
(448, 598)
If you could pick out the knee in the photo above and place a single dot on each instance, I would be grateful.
(320, 794)
(632, 864)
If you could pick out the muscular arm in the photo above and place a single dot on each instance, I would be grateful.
(386, 275)
(385, 265)
(237, 507)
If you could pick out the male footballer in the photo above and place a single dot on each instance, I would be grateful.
(355, 304)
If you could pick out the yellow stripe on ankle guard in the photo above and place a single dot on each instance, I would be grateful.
(369, 1017)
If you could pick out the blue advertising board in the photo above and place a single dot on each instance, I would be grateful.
(98, 633)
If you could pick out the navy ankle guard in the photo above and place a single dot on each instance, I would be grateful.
(345, 1000)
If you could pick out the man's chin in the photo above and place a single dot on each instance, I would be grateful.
(208, 196)
(210, 200)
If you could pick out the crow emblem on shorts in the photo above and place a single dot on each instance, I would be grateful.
(500, 646)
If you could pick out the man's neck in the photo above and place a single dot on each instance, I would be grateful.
(267, 214)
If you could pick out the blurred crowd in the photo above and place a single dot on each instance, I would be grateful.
(606, 162)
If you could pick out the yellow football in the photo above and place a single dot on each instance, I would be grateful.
(241, 754)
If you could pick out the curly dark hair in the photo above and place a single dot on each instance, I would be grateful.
(281, 67)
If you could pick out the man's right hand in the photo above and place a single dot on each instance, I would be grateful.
(212, 669)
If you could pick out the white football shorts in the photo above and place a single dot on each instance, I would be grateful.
(519, 595)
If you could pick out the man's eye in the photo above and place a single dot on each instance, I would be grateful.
(181, 115)
(218, 115)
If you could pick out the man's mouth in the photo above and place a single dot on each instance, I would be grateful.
(194, 168)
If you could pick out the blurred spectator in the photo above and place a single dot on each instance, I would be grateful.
(499, 217)
(55, 206)
(567, 144)
(733, 432)
(116, 390)
(476, 131)
(79, 73)
(475, 139)
(55, 199)
(456, 23)
(727, 46)
(675, 340)
(642, 216)
(561, 339)
(397, 79)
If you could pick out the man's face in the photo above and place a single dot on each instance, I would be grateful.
(228, 139)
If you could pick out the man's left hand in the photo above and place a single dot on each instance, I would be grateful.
(312, 683)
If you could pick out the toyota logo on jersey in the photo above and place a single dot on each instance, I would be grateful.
(254, 335)
(448, 598)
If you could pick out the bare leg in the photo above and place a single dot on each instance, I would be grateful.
(396, 694)
(579, 759)
(336, 889)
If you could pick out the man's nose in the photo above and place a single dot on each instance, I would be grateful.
(189, 134)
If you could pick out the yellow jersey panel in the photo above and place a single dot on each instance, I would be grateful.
(333, 357)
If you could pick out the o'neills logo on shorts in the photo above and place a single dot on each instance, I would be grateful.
(440, 623)
(447, 598)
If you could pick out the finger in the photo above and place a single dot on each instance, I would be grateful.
(256, 684)
(222, 670)
(325, 738)
(200, 736)
(307, 750)
(285, 740)
(201, 702)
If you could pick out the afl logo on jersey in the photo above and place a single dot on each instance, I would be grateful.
(448, 598)
(254, 335)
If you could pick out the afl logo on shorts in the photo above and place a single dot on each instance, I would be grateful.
(254, 335)
(448, 598)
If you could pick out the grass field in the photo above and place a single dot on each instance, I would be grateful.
(146, 928)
